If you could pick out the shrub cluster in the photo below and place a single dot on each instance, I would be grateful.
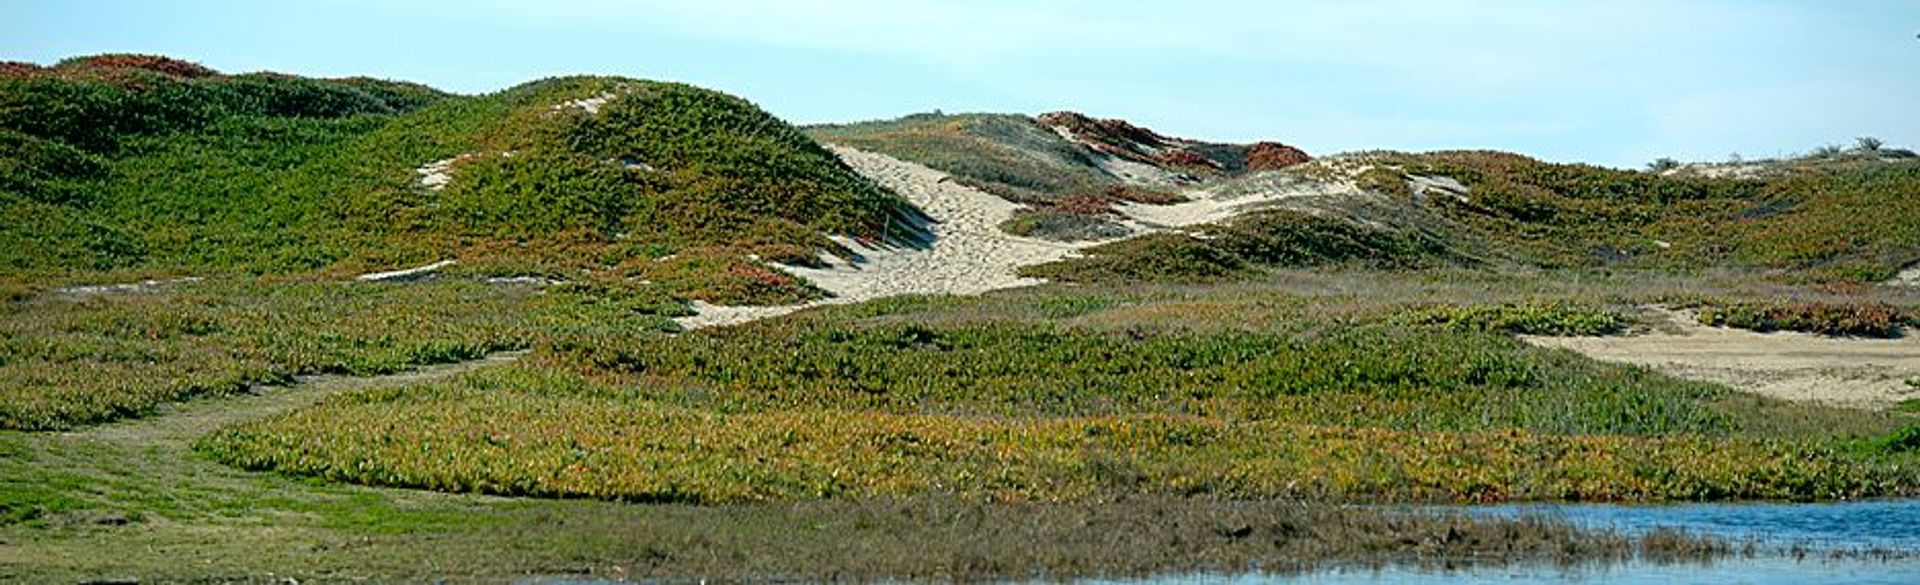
(1274, 238)
(1549, 318)
(1864, 319)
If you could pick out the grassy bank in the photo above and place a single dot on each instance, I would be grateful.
(1086, 397)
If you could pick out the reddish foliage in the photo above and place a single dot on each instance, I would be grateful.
(18, 69)
(760, 277)
(109, 65)
(1187, 159)
(1142, 195)
(1113, 136)
(1267, 156)
(1091, 204)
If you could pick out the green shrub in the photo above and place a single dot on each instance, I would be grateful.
(150, 165)
(1159, 257)
(1855, 319)
(1551, 318)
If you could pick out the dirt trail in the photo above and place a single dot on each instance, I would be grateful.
(1849, 372)
(178, 425)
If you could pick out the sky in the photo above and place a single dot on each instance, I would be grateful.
(1607, 82)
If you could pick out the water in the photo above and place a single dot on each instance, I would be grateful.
(1892, 525)
(1777, 529)
(1888, 524)
(1754, 571)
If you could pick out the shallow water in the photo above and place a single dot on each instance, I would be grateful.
(1890, 524)
(1819, 531)
(1742, 571)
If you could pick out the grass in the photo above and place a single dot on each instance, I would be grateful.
(1087, 431)
(1099, 428)
(120, 168)
(1008, 155)
(1870, 319)
(1249, 244)
(113, 511)
(1843, 224)
(76, 359)
(975, 399)
(1835, 223)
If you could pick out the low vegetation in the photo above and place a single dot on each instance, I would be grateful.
(1204, 399)
(127, 166)
(1845, 222)
(916, 398)
(1875, 319)
(1258, 240)
(1008, 155)
(70, 359)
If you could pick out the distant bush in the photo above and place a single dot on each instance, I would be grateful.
(1905, 440)
(1234, 248)
(1063, 227)
(1159, 257)
(1552, 318)
(1845, 222)
(1853, 319)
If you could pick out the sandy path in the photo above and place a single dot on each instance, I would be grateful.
(1850, 372)
(177, 425)
(969, 255)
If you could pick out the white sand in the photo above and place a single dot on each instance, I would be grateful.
(1429, 185)
(591, 105)
(1908, 277)
(407, 274)
(438, 174)
(142, 286)
(1851, 372)
(969, 254)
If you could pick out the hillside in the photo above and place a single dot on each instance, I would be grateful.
(1070, 170)
(1211, 211)
(147, 166)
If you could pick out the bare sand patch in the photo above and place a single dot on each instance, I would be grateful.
(1908, 277)
(1803, 367)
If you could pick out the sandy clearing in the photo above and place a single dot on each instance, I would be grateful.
(1908, 277)
(1849, 372)
(969, 254)
(436, 175)
(591, 104)
(1425, 185)
(406, 274)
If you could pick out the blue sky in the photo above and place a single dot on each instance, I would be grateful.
(1618, 82)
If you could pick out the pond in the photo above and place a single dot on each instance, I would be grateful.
(1796, 543)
